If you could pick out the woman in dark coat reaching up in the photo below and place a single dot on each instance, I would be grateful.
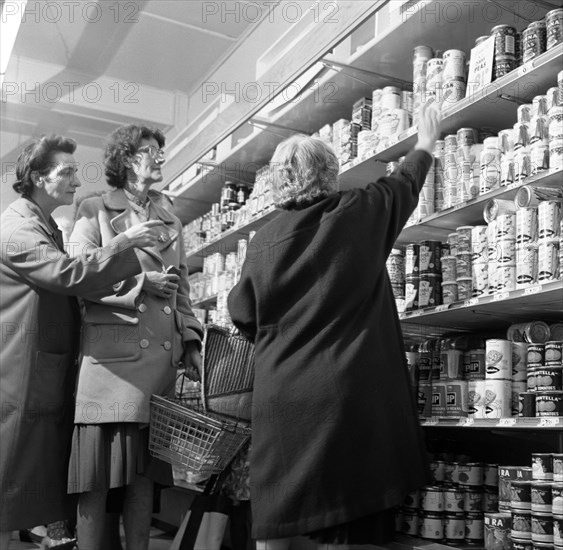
(336, 439)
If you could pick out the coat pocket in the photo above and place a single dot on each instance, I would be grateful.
(111, 342)
(49, 387)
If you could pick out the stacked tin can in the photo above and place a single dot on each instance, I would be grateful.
(544, 395)
(452, 176)
(501, 244)
(396, 270)
(452, 508)
(505, 50)
(422, 54)
(439, 163)
(344, 139)
(469, 157)
(428, 372)
(534, 40)
(489, 165)
(555, 126)
(454, 79)
(537, 502)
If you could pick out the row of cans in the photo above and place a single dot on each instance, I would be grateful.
(537, 496)
(540, 404)
(523, 530)
(452, 528)
(453, 499)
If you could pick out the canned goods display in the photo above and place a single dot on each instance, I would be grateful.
(411, 292)
(473, 499)
(554, 353)
(429, 252)
(526, 224)
(557, 531)
(521, 495)
(541, 496)
(410, 522)
(519, 361)
(438, 399)
(453, 499)
(549, 379)
(430, 290)
(498, 398)
(557, 498)
(527, 404)
(534, 332)
(534, 40)
(554, 27)
(454, 528)
(549, 403)
(449, 292)
(464, 288)
(474, 527)
(542, 527)
(521, 524)
(557, 466)
(497, 530)
(431, 526)
(498, 356)
(542, 466)
(457, 405)
(412, 259)
(535, 354)
(549, 219)
(463, 264)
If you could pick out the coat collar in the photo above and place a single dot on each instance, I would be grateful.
(26, 207)
(125, 217)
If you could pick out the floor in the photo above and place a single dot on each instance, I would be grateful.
(158, 541)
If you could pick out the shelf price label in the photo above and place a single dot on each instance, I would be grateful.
(501, 296)
(469, 421)
(442, 307)
(549, 421)
(432, 421)
(471, 302)
(507, 422)
(524, 69)
(533, 290)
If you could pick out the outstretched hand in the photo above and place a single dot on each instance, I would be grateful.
(429, 120)
(145, 233)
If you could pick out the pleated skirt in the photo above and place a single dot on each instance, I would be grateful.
(107, 456)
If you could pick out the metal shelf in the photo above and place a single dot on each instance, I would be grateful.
(387, 56)
(495, 311)
(228, 240)
(511, 423)
(438, 225)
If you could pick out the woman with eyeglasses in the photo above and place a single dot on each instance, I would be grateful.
(40, 321)
(135, 336)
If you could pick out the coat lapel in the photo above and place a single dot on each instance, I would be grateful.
(27, 208)
(126, 217)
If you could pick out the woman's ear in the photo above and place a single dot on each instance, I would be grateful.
(36, 178)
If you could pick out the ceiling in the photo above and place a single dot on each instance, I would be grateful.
(84, 68)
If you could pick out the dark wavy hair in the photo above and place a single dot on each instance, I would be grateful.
(121, 145)
(37, 157)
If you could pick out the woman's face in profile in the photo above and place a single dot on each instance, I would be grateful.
(148, 161)
(60, 182)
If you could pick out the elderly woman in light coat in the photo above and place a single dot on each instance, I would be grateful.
(135, 336)
(40, 322)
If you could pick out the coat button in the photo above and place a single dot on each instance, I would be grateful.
(167, 345)
(167, 310)
(144, 343)
(142, 308)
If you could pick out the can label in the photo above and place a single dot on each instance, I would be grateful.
(526, 225)
(474, 527)
(541, 496)
(549, 403)
(558, 467)
(557, 498)
(542, 527)
(439, 399)
(521, 525)
(542, 466)
(498, 359)
(473, 500)
(520, 495)
(453, 500)
(548, 259)
(549, 378)
(431, 526)
(519, 361)
(527, 404)
(554, 351)
(549, 218)
(474, 364)
(454, 527)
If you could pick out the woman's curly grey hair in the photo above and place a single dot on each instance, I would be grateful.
(303, 171)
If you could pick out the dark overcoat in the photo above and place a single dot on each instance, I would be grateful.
(40, 322)
(335, 427)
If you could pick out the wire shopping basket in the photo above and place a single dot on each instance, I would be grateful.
(227, 375)
(198, 442)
